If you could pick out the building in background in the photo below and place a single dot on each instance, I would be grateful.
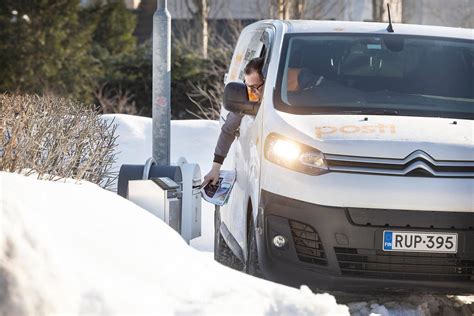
(456, 13)
(130, 4)
(248, 11)
(263, 9)
(459, 13)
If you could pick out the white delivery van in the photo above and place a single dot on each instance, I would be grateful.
(357, 168)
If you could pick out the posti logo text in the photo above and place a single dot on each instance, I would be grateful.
(321, 131)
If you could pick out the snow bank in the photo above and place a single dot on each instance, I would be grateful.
(413, 305)
(74, 249)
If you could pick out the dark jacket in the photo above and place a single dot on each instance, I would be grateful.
(228, 133)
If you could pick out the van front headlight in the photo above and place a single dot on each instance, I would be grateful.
(294, 155)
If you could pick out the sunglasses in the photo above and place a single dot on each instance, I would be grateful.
(254, 88)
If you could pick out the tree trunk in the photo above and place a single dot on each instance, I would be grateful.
(200, 14)
(204, 28)
(298, 7)
(378, 10)
(283, 8)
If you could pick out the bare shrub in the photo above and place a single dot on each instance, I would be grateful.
(116, 101)
(210, 109)
(55, 138)
(206, 94)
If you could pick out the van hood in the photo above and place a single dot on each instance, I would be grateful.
(387, 136)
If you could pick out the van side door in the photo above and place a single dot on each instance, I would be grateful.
(246, 158)
(247, 48)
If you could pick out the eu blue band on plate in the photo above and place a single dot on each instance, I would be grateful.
(387, 240)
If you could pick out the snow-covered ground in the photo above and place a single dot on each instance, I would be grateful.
(76, 249)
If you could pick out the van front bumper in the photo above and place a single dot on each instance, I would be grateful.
(335, 248)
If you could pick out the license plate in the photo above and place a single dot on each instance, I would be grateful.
(420, 241)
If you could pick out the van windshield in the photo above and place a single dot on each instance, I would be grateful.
(376, 74)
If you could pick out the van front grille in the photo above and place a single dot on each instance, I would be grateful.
(397, 219)
(404, 265)
(308, 243)
(417, 164)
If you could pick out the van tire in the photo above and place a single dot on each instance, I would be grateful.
(252, 266)
(222, 252)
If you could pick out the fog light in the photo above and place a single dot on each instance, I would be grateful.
(279, 241)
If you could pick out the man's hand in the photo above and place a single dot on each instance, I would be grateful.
(213, 175)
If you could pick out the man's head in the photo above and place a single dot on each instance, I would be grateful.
(254, 78)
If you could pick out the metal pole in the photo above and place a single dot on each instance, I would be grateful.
(161, 84)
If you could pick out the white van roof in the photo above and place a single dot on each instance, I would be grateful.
(307, 26)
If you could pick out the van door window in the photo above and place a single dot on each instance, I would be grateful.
(267, 39)
(248, 47)
(254, 49)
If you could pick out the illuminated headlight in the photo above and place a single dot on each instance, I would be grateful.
(286, 150)
(294, 155)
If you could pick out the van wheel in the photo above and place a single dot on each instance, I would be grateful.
(222, 252)
(251, 266)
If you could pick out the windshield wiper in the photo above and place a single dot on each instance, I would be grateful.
(360, 112)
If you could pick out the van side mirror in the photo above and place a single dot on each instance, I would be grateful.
(236, 99)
